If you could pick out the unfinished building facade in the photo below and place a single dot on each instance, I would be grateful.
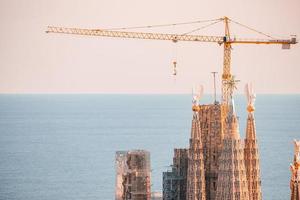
(175, 181)
(133, 175)
(220, 165)
(295, 169)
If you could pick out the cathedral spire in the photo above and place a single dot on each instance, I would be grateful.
(195, 174)
(232, 182)
(251, 150)
(295, 169)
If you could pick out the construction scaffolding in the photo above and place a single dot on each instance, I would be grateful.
(219, 165)
(175, 181)
(133, 175)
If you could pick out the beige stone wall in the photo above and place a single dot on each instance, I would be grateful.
(217, 157)
(252, 160)
(232, 182)
(196, 175)
(212, 120)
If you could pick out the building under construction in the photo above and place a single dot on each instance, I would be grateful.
(295, 169)
(174, 181)
(220, 165)
(133, 175)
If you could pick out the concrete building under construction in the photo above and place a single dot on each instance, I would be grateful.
(175, 181)
(133, 175)
(295, 169)
(221, 166)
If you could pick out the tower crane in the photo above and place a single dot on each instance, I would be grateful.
(226, 40)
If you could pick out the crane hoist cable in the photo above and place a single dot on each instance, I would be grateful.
(186, 33)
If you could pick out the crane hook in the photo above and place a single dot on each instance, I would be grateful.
(174, 68)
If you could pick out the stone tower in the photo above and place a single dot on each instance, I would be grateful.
(232, 182)
(251, 150)
(212, 120)
(295, 169)
(195, 174)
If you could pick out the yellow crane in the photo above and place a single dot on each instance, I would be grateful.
(225, 39)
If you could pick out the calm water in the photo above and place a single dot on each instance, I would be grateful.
(63, 146)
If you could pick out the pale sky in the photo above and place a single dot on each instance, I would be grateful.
(32, 61)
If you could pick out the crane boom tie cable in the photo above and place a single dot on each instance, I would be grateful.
(252, 29)
(200, 28)
(162, 25)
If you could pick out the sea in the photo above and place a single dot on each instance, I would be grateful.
(62, 147)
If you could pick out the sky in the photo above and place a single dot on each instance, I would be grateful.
(32, 61)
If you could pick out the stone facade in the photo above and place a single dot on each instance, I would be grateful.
(195, 174)
(252, 160)
(220, 165)
(212, 121)
(232, 183)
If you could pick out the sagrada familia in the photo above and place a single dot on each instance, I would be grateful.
(218, 165)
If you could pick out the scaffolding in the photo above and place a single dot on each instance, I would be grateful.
(133, 175)
(174, 181)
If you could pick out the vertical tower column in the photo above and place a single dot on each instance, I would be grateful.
(212, 120)
(251, 150)
(195, 174)
(295, 169)
(226, 76)
(232, 182)
(252, 160)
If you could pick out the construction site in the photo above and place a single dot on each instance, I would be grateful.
(295, 170)
(218, 164)
(133, 175)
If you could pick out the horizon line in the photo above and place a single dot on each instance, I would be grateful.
(125, 93)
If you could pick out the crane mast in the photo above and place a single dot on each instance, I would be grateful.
(226, 76)
(226, 40)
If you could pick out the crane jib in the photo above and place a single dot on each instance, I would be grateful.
(226, 40)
